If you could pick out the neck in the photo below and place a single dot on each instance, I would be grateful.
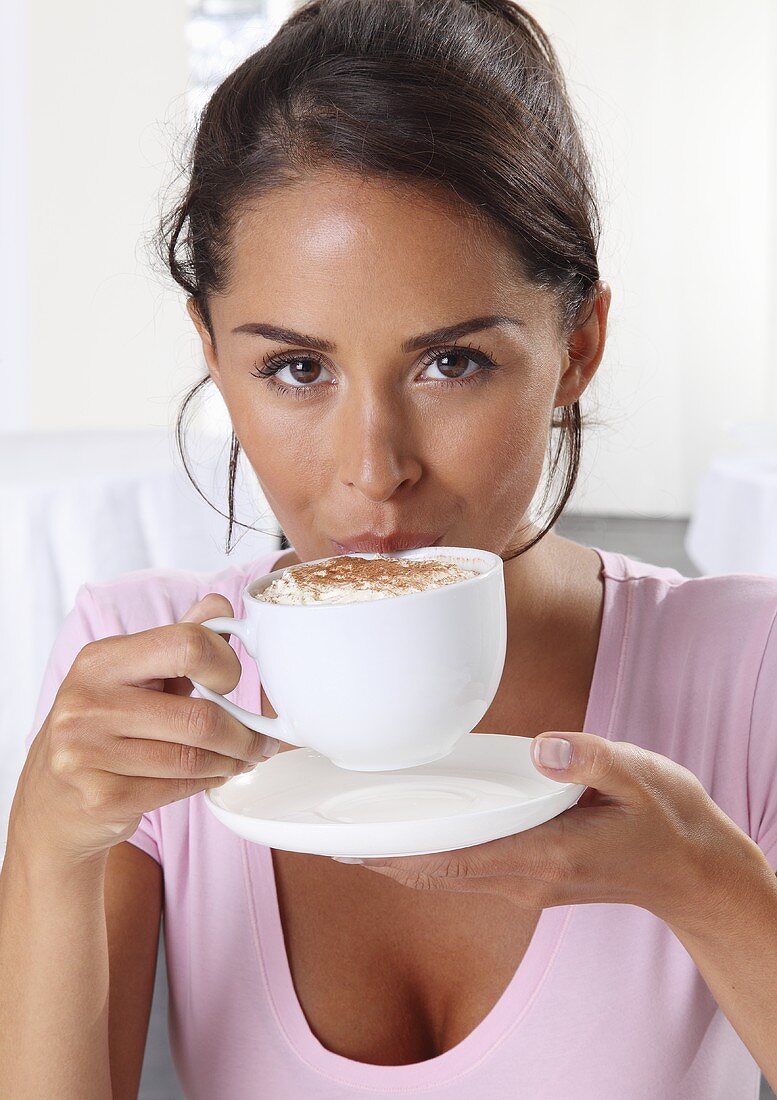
(532, 579)
(554, 595)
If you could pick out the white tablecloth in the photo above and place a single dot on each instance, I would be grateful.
(734, 525)
(89, 506)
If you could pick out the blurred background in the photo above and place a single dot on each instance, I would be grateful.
(678, 100)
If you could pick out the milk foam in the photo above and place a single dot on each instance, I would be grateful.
(349, 578)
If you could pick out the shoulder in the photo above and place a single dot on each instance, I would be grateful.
(695, 674)
(144, 598)
(727, 611)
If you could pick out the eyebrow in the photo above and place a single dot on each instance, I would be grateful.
(415, 343)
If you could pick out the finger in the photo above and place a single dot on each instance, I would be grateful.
(493, 858)
(422, 882)
(106, 794)
(166, 760)
(199, 723)
(161, 653)
(210, 606)
(617, 768)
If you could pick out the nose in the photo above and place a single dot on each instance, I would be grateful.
(375, 446)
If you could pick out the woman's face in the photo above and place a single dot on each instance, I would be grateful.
(376, 422)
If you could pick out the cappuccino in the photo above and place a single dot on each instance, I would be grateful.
(351, 579)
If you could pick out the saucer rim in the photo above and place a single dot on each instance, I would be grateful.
(211, 795)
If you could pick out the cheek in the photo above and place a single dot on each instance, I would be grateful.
(499, 462)
(282, 447)
(498, 442)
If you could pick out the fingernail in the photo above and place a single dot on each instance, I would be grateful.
(247, 766)
(271, 746)
(553, 752)
(347, 859)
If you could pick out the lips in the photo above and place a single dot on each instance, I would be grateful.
(370, 542)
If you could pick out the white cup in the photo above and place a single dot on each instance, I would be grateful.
(378, 684)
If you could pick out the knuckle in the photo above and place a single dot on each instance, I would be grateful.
(88, 656)
(74, 709)
(65, 760)
(602, 760)
(190, 760)
(193, 648)
(420, 880)
(458, 866)
(203, 719)
(95, 801)
(644, 767)
(65, 718)
(682, 779)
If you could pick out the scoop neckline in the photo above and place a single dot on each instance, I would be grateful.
(518, 997)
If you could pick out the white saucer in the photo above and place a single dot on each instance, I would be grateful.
(299, 801)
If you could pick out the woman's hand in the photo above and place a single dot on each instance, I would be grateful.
(645, 832)
(123, 737)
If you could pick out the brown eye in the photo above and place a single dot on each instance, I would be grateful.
(295, 372)
(452, 364)
(303, 370)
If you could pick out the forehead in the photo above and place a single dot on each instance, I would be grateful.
(365, 247)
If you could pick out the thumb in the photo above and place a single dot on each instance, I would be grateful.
(608, 766)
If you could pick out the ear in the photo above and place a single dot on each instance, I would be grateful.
(208, 350)
(585, 348)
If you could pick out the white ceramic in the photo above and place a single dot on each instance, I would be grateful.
(487, 787)
(380, 684)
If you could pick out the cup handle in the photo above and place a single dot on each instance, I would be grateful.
(270, 727)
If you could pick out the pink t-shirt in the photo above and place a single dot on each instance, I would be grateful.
(606, 1002)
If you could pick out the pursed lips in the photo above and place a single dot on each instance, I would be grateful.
(371, 543)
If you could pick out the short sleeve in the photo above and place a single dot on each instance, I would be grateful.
(762, 753)
(82, 624)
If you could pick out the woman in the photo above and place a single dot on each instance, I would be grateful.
(388, 244)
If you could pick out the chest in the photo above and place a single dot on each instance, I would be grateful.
(389, 975)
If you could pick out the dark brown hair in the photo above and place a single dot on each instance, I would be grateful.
(464, 95)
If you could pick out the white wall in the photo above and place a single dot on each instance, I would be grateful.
(108, 345)
(682, 102)
(14, 408)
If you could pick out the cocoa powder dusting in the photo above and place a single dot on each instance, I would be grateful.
(397, 574)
